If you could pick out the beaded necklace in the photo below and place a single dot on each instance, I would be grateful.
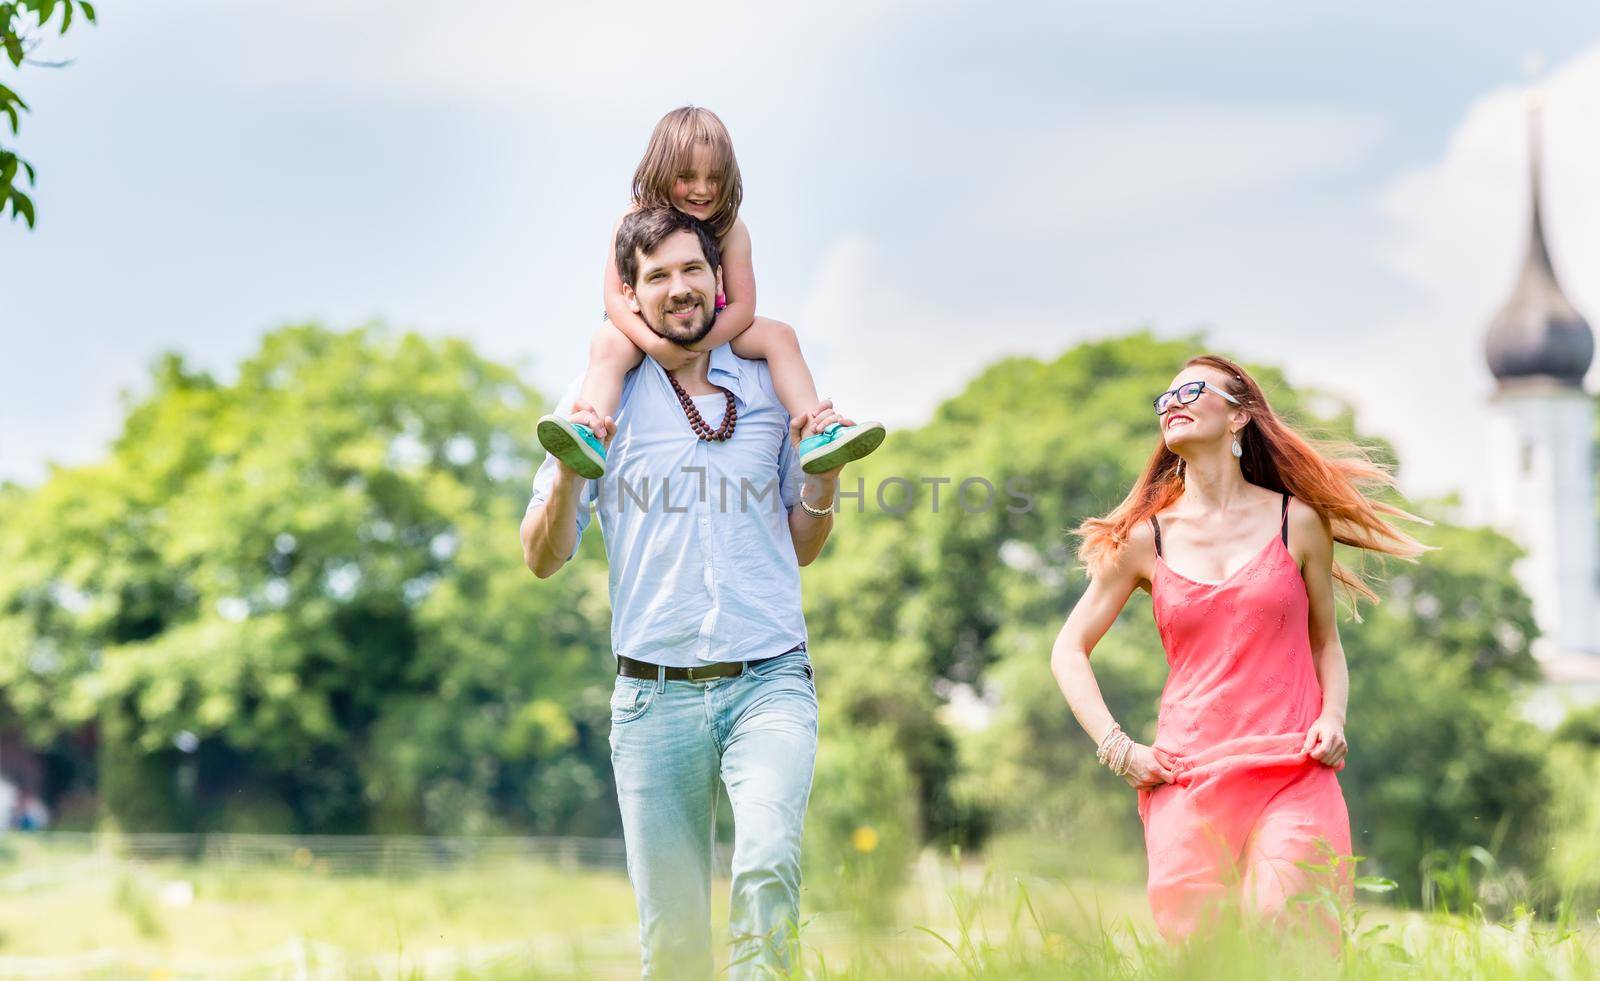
(698, 423)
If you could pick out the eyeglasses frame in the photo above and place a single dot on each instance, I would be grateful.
(1204, 387)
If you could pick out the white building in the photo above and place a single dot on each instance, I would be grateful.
(1540, 466)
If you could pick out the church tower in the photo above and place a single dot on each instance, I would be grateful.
(1541, 467)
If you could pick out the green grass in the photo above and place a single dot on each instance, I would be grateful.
(187, 917)
(91, 913)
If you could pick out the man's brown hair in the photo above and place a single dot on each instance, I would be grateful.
(643, 231)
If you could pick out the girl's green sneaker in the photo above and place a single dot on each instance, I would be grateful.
(838, 445)
(574, 444)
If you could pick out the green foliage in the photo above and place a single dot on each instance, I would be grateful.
(311, 576)
(302, 587)
(1440, 758)
(1581, 727)
(22, 26)
(132, 898)
(74, 909)
(1574, 857)
(861, 828)
(977, 599)
(943, 581)
(1034, 770)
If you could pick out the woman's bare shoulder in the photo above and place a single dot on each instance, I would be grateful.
(1306, 522)
(1136, 561)
(1310, 537)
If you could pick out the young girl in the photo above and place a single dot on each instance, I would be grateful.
(690, 166)
(1238, 792)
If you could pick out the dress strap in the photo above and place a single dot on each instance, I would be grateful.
(1285, 531)
(1156, 527)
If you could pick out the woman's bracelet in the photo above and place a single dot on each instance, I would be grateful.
(1102, 751)
(1115, 750)
(1124, 756)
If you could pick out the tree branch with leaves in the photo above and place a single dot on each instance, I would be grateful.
(24, 25)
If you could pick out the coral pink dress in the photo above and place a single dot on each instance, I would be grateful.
(1245, 804)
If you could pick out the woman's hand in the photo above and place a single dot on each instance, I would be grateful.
(1325, 742)
(1148, 768)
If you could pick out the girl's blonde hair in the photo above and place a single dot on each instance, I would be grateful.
(1338, 479)
(670, 151)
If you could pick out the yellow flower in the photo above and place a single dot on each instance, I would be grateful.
(864, 838)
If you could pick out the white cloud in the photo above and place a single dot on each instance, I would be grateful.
(913, 220)
(577, 56)
(884, 352)
(1459, 231)
(1103, 168)
(1094, 223)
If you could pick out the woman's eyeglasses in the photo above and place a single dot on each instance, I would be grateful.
(1185, 394)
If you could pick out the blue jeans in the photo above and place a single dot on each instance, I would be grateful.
(670, 743)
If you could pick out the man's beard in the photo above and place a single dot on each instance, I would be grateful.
(690, 332)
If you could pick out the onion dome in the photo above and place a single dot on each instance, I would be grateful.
(1538, 334)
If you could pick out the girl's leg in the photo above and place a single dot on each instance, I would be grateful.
(775, 343)
(611, 357)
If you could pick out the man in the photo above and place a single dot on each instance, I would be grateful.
(705, 529)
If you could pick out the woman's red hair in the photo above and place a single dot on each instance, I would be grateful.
(1335, 478)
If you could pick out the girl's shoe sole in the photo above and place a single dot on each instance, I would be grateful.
(558, 437)
(858, 444)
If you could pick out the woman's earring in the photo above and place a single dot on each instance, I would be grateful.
(1238, 450)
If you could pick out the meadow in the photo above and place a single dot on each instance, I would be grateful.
(264, 906)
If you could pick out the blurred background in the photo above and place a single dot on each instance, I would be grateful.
(276, 689)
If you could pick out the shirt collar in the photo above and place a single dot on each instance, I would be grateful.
(723, 369)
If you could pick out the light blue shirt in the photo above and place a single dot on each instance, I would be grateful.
(703, 567)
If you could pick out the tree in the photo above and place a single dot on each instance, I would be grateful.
(1441, 758)
(982, 556)
(22, 26)
(304, 589)
(301, 591)
(975, 598)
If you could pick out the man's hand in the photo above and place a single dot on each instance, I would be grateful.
(814, 422)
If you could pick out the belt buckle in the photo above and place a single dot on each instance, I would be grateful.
(712, 672)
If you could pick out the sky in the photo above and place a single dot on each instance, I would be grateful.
(1338, 190)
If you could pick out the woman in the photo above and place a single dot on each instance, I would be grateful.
(1231, 530)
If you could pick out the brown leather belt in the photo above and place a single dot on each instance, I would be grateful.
(630, 668)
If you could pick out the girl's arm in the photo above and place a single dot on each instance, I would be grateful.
(739, 285)
(1089, 620)
(667, 354)
(759, 338)
(1325, 739)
